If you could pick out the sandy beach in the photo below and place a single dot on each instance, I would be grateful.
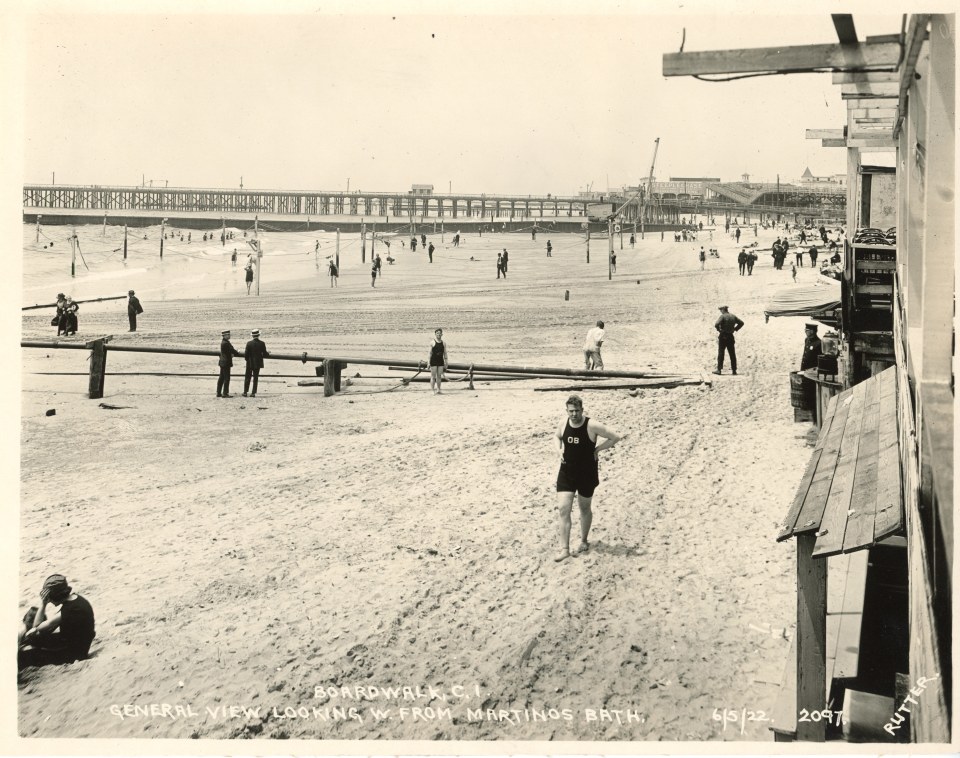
(261, 566)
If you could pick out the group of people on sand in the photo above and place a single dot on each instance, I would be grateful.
(253, 354)
(66, 319)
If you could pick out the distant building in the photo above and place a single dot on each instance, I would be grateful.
(833, 181)
(422, 189)
(695, 179)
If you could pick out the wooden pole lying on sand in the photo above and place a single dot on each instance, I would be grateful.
(94, 300)
(336, 364)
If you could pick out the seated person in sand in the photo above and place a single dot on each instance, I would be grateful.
(60, 630)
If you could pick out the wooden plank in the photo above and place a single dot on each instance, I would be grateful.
(860, 112)
(847, 650)
(882, 145)
(783, 718)
(914, 38)
(887, 89)
(811, 512)
(811, 637)
(863, 501)
(825, 133)
(868, 97)
(789, 522)
(833, 523)
(846, 32)
(884, 55)
(889, 518)
(854, 77)
(834, 143)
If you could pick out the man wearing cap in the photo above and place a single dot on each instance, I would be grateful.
(812, 347)
(227, 351)
(133, 310)
(59, 321)
(726, 325)
(60, 630)
(254, 352)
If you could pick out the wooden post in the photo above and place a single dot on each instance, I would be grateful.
(98, 368)
(588, 241)
(331, 377)
(338, 250)
(610, 248)
(811, 637)
(363, 243)
(373, 242)
(163, 231)
(124, 241)
(73, 252)
(38, 227)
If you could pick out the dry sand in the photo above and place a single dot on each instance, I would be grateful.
(246, 552)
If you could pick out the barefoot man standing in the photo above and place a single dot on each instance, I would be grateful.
(579, 472)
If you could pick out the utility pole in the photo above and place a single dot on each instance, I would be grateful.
(363, 242)
(73, 252)
(163, 233)
(338, 250)
(223, 231)
(38, 227)
(256, 238)
(610, 248)
(124, 241)
(649, 188)
(588, 241)
(373, 241)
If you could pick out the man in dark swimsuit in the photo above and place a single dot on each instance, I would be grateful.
(579, 473)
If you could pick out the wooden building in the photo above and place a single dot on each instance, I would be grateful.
(873, 514)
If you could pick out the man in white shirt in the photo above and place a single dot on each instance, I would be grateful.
(591, 348)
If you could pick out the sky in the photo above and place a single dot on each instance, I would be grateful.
(525, 98)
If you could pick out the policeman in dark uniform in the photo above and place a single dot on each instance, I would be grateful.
(812, 348)
(726, 325)
(227, 351)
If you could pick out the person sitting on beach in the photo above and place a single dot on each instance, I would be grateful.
(59, 630)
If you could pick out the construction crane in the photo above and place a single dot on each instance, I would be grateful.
(656, 146)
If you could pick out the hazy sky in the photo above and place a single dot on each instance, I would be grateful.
(544, 99)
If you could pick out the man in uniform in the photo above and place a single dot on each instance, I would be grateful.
(579, 473)
(726, 325)
(812, 347)
(133, 310)
(227, 351)
(254, 352)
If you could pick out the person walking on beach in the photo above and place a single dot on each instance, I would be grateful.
(793, 272)
(506, 261)
(59, 630)
(233, 258)
(813, 256)
(373, 274)
(549, 249)
(737, 235)
(249, 275)
(430, 252)
(134, 309)
(413, 244)
(378, 264)
(726, 325)
(227, 351)
(500, 266)
(423, 240)
(579, 444)
(742, 261)
(438, 360)
(592, 361)
(254, 353)
(334, 272)
(613, 262)
(703, 258)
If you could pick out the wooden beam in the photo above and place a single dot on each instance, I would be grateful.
(873, 145)
(866, 96)
(824, 133)
(842, 142)
(846, 32)
(811, 637)
(883, 56)
(879, 77)
(915, 36)
(890, 89)
(871, 112)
